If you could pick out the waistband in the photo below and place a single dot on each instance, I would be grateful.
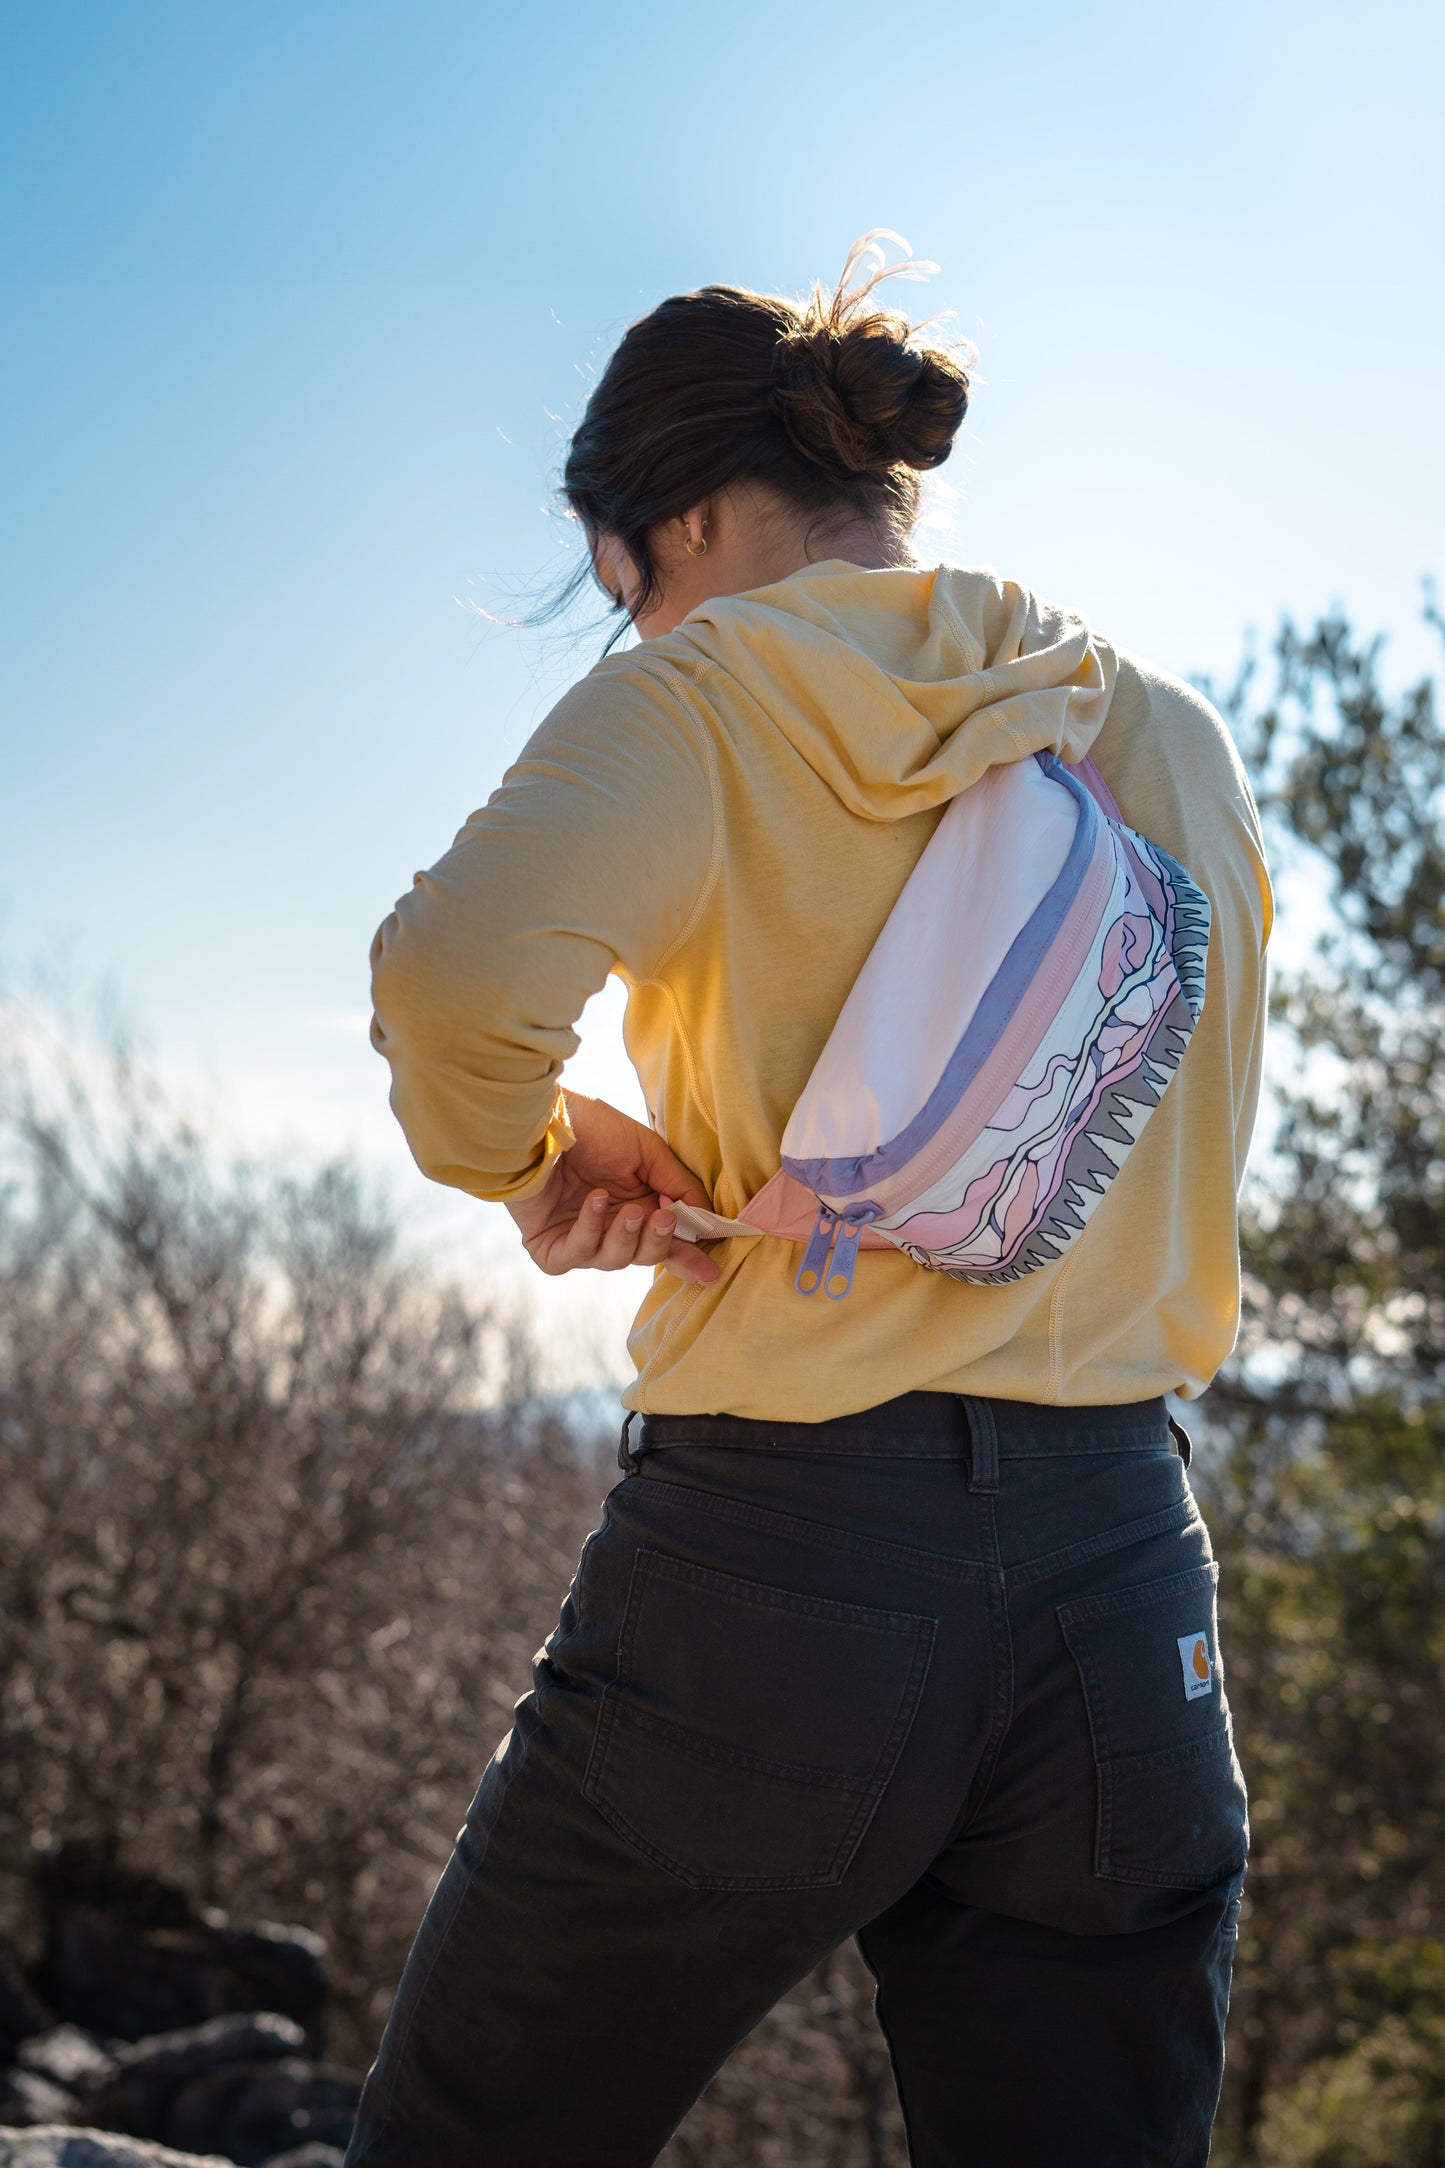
(924, 1425)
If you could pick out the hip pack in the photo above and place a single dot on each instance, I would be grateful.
(1015, 1024)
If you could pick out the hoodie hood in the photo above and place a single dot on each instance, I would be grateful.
(900, 687)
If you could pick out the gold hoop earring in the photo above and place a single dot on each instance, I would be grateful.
(695, 549)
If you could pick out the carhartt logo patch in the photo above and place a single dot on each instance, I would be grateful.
(1195, 1664)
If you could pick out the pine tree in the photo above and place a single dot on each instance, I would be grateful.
(1325, 1476)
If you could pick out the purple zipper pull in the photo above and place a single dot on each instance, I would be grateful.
(845, 1258)
(835, 1235)
(815, 1256)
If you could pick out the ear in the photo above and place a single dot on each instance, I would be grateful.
(696, 523)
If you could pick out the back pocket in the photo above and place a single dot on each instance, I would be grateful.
(1171, 1801)
(750, 1732)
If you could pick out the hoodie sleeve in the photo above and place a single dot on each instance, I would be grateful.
(591, 857)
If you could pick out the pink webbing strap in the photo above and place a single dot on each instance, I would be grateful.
(1097, 788)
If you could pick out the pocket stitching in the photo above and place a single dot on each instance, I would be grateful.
(1167, 1521)
(1138, 1597)
(870, 1788)
(679, 1740)
(821, 1535)
(1083, 1609)
(1152, 1877)
(825, 1878)
(737, 1588)
(1112, 1769)
(1207, 1747)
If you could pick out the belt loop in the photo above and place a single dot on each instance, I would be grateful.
(1182, 1445)
(626, 1459)
(983, 1437)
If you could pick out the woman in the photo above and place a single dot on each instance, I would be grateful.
(892, 1627)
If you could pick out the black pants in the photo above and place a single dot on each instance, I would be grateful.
(943, 1676)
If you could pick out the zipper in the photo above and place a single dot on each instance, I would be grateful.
(835, 1238)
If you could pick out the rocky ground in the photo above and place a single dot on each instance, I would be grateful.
(51, 2145)
(148, 2033)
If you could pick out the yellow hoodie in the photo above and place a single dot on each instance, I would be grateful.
(724, 817)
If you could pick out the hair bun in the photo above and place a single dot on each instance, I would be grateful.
(835, 405)
(858, 390)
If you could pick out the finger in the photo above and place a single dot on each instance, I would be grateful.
(690, 1263)
(663, 1171)
(585, 1236)
(619, 1245)
(655, 1241)
(548, 1251)
(540, 1247)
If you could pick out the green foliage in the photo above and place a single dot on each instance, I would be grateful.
(1326, 1482)
(1355, 1233)
(1379, 2105)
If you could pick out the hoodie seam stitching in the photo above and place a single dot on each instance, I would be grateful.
(955, 617)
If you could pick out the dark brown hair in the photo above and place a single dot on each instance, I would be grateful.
(837, 403)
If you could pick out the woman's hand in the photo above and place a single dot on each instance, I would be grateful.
(606, 1203)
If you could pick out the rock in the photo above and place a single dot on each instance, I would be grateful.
(27, 2097)
(54, 2075)
(128, 1955)
(273, 1967)
(235, 2085)
(52, 2147)
(151, 2074)
(74, 2060)
(256, 2110)
(177, 2029)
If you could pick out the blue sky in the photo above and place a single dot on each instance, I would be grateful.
(303, 299)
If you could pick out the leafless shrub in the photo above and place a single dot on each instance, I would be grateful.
(271, 1573)
(284, 1522)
